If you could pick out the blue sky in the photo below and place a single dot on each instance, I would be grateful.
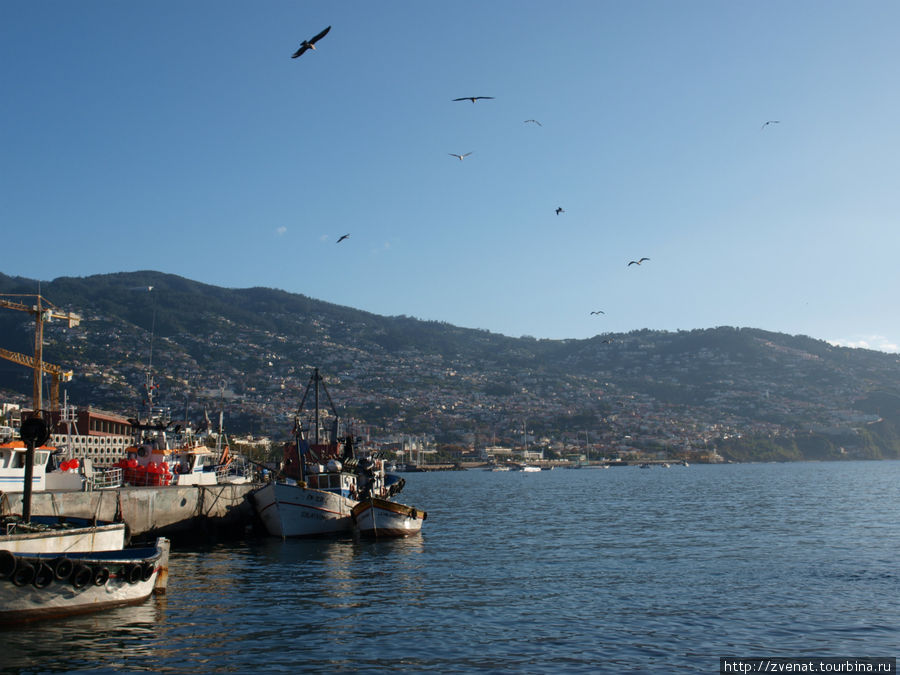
(181, 137)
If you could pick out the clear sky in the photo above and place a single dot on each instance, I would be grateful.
(182, 137)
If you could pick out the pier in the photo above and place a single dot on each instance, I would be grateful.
(173, 511)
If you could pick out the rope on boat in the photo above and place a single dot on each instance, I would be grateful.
(97, 509)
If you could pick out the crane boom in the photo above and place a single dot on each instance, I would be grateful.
(42, 312)
(57, 373)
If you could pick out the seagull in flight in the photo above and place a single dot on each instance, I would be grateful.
(636, 262)
(534, 121)
(559, 210)
(472, 98)
(311, 43)
(343, 236)
(599, 311)
(459, 157)
(768, 123)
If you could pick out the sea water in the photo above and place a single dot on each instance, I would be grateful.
(582, 571)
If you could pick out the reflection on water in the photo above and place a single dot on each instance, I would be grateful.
(562, 571)
(75, 643)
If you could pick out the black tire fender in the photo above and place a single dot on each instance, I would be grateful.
(44, 576)
(81, 576)
(100, 576)
(8, 564)
(24, 573)
(133, 573)
(62, 568)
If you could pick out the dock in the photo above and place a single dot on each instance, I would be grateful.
(213, 511)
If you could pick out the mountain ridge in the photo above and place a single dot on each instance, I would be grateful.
(250, 352)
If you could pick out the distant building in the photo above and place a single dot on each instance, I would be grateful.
(87, 432)
(495, 451)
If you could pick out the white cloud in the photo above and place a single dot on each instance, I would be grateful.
(280, 230)
(877, 342)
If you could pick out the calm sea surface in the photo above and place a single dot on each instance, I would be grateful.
(623, 569)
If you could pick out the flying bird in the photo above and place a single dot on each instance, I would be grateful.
(535, 121)
(472, 98)
(311, 43)
(459, 157)
(343, 236)
(599, 311)
(559, 210)
(636, 262)
(768, 123)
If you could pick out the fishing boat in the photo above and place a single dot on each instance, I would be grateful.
(59, 534)
(53, 584)
(35, 534)
(321, 479)
(168, 452)
(45, 474)
(376, 517)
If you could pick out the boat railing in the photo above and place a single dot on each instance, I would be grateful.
(235, 469)
(99, 478)
(105, 479)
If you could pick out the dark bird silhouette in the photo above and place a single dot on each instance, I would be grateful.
(599, 311)
(534, 121)
(768, 123)
(472, 98)
(311, 43)
(636, 262)
(459, 157)
(559, 210)
(344, 236)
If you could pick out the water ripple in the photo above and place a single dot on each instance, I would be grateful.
(564, 571)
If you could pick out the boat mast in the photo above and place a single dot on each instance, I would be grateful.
(316, 378)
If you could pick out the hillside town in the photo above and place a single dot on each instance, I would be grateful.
(642, 397)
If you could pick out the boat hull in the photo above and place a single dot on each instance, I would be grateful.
(383, 518)
(95, 581)
(298, 511)
(49, 536)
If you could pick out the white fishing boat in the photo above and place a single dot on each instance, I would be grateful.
(376, 517)
(320, 482)
(58, 534)
(27, 533)
(50, 585)
(44, 476)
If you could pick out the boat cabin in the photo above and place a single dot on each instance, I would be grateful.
(45, 475)
(332, 478)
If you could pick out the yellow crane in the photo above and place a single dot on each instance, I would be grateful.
(42, 310)
(57, 373)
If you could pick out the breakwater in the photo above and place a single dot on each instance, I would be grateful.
(179, 511)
